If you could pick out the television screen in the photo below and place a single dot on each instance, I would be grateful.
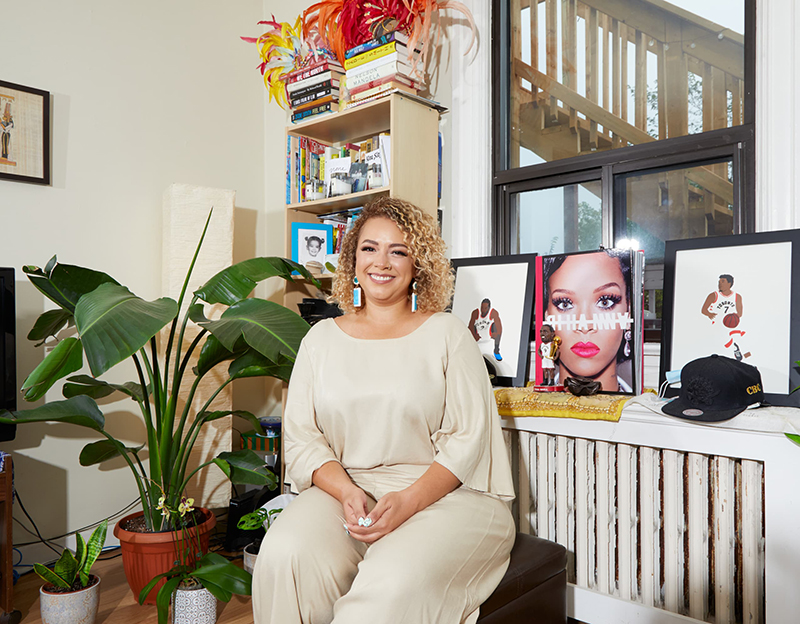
(8, 351)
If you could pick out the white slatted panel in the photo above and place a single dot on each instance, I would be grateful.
(698, 531)
(620, 508)
(752, 542)
(650, 514)
(672, 469)
(724, 560)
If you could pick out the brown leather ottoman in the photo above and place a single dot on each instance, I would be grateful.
(534, 588)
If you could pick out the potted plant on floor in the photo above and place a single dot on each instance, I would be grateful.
(197, 580)
(255, 337)
(259, 520)
(70, 593)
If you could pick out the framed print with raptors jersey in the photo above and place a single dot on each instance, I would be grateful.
(736, 296)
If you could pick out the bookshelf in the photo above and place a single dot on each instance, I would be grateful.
(413, 127)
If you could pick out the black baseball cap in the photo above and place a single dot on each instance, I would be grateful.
(716, 388)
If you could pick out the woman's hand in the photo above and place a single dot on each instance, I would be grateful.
(354, 503)
(392, 510)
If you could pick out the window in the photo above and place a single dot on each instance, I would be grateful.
(622, 119)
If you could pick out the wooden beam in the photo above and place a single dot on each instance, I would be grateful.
(623, 59)
(534, 22)
(591, 110)
(661, 82)
(640, 86)
(592, 71)
(615, 75)
(677, 90)
(569, 52)
(515, 102)
(551, 48)
(653, 20)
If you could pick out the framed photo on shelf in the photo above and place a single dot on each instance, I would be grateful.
(24, 133)
(494, 298)
(736, 296)
(312, 243)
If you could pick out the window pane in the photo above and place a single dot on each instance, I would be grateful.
(559, 220)
(693, 202)
(596, 75)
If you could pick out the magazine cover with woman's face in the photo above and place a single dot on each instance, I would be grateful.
(585, 306)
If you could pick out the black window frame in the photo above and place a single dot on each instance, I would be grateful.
(736, 143)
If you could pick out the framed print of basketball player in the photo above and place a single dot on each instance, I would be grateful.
(739, 297)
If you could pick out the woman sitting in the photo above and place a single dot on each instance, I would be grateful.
(393, 440)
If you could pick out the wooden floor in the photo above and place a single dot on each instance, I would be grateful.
(117, 605)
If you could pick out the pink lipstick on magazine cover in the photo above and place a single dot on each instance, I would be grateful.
(585, 349)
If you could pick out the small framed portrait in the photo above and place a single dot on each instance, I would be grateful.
(494, 298)
(736, 296)
(312, 243)
(24, 134)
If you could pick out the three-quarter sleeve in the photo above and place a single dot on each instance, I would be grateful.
(470, 441)
(305, 446)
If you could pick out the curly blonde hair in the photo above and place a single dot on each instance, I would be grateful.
(433, 274)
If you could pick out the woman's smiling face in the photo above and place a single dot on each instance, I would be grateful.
(384, 266)
(589, 285)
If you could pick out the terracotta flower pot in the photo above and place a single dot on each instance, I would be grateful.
(145, 555)
(70, 607)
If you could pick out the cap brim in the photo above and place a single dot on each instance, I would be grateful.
(678, 408)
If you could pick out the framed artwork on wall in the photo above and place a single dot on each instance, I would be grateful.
(736, 296)
(24, 133)
(494, 298)
(312, 243)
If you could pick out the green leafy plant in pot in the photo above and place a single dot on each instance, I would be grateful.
(256, 337)
(259, 520)
(197, 579)
(71, 593)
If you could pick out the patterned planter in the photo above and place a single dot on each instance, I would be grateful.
(145, 555)
(249, 555)
(78, 607)
(194, 605)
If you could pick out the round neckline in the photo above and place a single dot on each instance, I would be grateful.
(411, 333)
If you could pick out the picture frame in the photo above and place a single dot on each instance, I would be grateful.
(24, 133)
(507, 282)
(697, 317)
(312, 242)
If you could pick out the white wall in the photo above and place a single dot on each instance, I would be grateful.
(143, 95)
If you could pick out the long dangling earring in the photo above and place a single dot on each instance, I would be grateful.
(356, 293)
(627, 348)
(414, 296)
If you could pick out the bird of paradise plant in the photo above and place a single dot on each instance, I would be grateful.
(283, 49)
(344, 24)
(259, 338)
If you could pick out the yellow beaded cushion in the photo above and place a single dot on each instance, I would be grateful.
(514, 402)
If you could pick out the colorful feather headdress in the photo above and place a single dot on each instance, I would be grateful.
(344, 24)
(283, 49)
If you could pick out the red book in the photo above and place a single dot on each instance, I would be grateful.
(312, 70)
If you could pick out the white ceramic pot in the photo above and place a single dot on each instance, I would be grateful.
(249, 558)
(194, 605)
(78, 607)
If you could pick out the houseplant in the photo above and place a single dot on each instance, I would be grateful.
(259, 520)
(71, 594)
(111, 325)
(197, 580)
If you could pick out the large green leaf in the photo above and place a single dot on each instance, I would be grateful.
(65, 284)
(49, 324)
(245, 467)
(253, 364)
(227, 576)
(213, 352)
(80, 410)
(97, 388)
(114, 324)
(271, 329)
(237, 281)
(163, 598)
(95, 545)
(66, 567)
(209, 416)
(63, 360)
(49, 576)
(103, 450)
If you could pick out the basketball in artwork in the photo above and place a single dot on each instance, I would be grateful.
(731, 320)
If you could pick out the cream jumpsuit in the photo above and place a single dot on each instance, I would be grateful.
(386, 409)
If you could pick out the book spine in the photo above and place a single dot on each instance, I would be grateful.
(288, 169)
(296, 191)
(314, 70)
(369, 93)
(320, 86)
(370, 45)
(310, 112)
(371, 55)
(303, 161)
(379, 83)
(315, 103)
(311, 83)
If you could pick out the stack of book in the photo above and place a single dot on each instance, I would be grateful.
(381, 66)
(314, 90)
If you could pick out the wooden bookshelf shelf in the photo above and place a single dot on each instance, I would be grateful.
(342, 202)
